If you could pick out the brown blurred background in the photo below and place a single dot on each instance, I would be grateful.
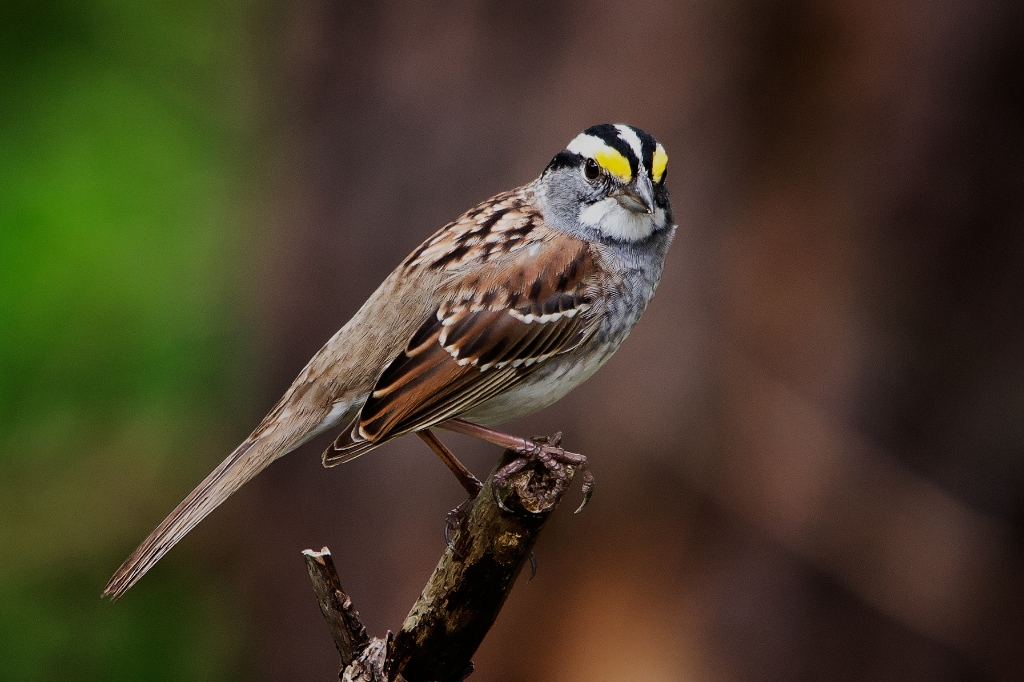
(810, 453)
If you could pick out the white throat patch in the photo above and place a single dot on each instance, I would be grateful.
(614, 221)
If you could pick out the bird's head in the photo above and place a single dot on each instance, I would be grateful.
(608, 184)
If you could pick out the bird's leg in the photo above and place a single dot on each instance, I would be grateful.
(456, 517)
(470, 482)
(548, 454)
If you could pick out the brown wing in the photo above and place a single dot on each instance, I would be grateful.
(535, 302)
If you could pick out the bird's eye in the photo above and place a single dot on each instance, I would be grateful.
(591, 170)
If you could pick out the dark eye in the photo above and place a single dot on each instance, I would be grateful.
(591, 170)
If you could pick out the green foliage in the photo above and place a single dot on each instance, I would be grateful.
(57, 631)
(120, 130)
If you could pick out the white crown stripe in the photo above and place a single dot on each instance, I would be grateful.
(627, 135)
(586, 145)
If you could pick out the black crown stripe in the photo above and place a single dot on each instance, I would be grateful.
(609, 134)
(647, 145)
(565, 158)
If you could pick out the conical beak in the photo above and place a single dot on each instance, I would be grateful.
(637, 196)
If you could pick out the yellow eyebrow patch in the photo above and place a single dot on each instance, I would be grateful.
(614, 162)
(659, 163)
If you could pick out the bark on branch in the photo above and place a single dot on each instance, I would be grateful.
(461, 600)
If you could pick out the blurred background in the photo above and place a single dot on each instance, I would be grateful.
(809, 455)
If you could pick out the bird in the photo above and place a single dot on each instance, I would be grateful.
(498, 314)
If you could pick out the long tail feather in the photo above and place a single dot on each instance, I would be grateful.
(241, 466)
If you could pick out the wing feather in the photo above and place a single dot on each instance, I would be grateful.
(483, 338)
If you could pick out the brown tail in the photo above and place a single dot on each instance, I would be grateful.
(346, 447)
(250, 458)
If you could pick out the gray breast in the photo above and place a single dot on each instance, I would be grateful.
(639, 273)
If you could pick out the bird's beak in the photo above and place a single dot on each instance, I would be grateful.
(637, 196)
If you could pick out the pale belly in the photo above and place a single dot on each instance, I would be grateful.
(542, 388)
(562, 373)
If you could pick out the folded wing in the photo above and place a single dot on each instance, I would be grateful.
(485, 337)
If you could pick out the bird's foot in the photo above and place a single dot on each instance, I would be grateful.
(455, 524)
(541, 493)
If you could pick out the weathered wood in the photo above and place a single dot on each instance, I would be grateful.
(472, 580)
(371, 662)
(342, 619)
(464, 594)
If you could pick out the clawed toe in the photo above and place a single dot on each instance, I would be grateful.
(547, 452)
(498, 485)
(588, 489)
(455, 523)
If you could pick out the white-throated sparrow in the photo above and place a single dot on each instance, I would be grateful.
(498, 314)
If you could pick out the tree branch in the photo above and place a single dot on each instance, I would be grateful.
(464, 595)
(342, 619)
